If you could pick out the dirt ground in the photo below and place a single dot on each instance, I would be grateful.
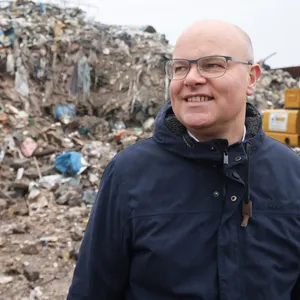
(38, 252)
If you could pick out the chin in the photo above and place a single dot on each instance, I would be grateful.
(196, 122)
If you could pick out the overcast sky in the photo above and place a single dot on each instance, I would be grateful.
(273, 25)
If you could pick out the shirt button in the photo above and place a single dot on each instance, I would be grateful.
(238, 158)
(233, 198)
(216, 194)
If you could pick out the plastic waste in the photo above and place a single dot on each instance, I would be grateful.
(2, 37)
(97, 149)
(69, 162)
(9, 36)
(9, 143)
(12, 109)
(84, 77)
(118, 125)
(28, 147)
(2, 154)
(10, 64)
(89, 196)
(20, 173)
(31, 122)
(83, 131)
(84, 166)
(21, 81)
(53, 180)
(34, 190)
(42, 8)
(65, 113)
(81, 78)
(40, 67)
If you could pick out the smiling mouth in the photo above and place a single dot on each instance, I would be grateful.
(199, 99)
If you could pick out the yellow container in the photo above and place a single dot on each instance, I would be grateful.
(282, 121)
(292, 98)
(291, 140)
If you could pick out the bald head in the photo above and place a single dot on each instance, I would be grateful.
(247, 41)
(213, 31)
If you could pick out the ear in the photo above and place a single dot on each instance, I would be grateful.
(254, 74)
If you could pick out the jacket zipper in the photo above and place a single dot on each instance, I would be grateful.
(225, 157)
(225, 162)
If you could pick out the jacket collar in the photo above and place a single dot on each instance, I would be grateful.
(170, 134)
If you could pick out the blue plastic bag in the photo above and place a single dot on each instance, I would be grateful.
(42, 8)
(65, 113)
(69, 162)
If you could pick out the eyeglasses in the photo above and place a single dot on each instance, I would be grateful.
(209, 66)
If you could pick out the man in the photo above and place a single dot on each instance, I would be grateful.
(209, 207)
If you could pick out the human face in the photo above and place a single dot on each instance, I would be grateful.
(222, 100)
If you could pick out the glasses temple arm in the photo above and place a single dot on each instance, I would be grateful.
(247, 62)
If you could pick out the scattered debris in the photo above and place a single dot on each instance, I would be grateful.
(73, 93)
(5, 279)
(31, 273)
(271, 87)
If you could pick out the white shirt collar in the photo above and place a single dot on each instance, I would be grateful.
(191, 135)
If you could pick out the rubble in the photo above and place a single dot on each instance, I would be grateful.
(72, 94)
(271, 87)
(31, 274)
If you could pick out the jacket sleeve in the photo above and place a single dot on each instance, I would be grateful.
(295, 295)
(103, 263)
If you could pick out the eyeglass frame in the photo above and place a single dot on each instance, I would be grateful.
(190, 61)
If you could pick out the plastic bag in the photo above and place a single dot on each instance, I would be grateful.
(69, 162)
(84, 76)
(65, 113)
(21, 83)
(10, 64)
(81, 78)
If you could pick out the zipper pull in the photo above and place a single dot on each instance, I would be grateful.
(225, 157)
(247, 213)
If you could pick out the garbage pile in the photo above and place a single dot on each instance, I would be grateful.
(271, 87)
(72, 94)
(52, 56)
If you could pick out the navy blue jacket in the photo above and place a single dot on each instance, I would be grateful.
(167, 220)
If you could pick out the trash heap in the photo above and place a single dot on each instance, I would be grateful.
(271, 87)
(72, 94)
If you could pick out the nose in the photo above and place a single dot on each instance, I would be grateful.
(194, 77)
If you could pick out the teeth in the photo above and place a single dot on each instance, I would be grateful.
(198, 99)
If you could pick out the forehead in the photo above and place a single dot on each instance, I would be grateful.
(197, 43)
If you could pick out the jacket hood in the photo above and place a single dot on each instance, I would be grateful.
(172, 135)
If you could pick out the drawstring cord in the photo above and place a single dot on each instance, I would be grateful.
(247, 203)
